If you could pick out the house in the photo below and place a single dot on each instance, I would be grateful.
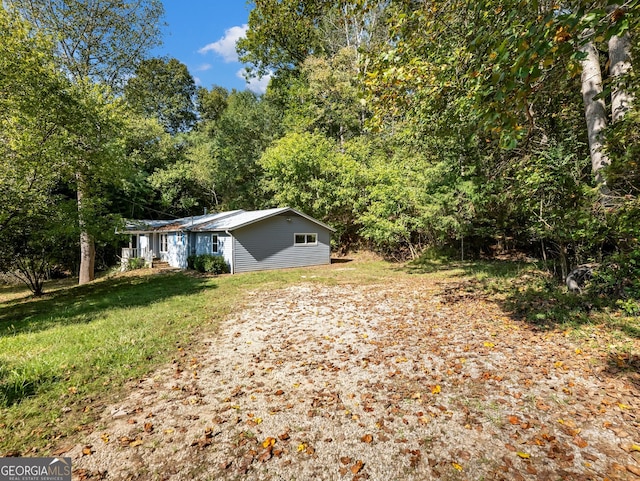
(248, 240)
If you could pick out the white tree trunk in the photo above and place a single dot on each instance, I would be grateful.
(594, 109)
(620, 64)
(87, 244)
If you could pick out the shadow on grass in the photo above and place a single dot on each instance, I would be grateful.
(530, 293)
(82, 304)
(340, 260)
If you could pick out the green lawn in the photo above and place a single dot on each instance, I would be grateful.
(75, 348)
(65, 355)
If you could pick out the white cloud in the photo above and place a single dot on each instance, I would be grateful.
(197, 81)
(256, 85)
(226, 46)
(204, 67)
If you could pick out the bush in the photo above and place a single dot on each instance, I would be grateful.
(618, 279)
(210, 264)
(135, 263)
(191, 261)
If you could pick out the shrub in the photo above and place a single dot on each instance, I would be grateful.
(210, 264)
(135, 263)
(191, 261)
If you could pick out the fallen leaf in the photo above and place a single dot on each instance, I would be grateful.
(87, 450)
(513, 420)
(357, 467)
(367, 438)
(135, 443)
(283, 436)
(456, 466)
(489, 344)
(523, 455)
(266, 456)
(301, 447)
(269, 442)
(345, 460)
(148, 427)
(105, 437)
(581, 443)
(436, 389)
(632, 468)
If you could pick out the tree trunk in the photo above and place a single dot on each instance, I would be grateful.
(620, 64)
(87, 244)
(594, 109)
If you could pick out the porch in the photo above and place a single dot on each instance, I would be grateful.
(136, 253)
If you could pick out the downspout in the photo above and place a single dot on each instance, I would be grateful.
(233, 252)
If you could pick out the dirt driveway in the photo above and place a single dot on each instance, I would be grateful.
(394, 381)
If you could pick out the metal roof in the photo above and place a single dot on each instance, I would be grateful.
(221, 221)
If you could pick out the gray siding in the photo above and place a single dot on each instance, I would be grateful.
(269, 244)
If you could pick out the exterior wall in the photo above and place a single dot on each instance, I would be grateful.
(203, 244)
(177, 249)
(269, 244)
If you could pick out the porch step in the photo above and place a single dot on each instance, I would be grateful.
(158, 264)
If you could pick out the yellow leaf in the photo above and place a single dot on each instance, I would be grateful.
(456, 466)
(523, 455)
(257, 420)
(578, 350)
(635, 447)
(105, 437)
(489, 344)
(301, 447)
(267, 443)
(436, 389)
(623, 406)
(135, 443)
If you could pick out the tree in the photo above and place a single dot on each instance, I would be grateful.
(163, 89)
(32, 133)
(309, 172)
(96, 41)
(326, 97)
(211, 103)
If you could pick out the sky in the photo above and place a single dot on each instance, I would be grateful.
(202, 35)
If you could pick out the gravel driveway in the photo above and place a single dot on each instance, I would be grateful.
(410, 380)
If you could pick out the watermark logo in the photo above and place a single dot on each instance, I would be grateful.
(35, 469)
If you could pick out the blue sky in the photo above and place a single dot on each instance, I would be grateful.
(202, 35)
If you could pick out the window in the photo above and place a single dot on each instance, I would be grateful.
(305, 239)
(214, 243)
(164, 244)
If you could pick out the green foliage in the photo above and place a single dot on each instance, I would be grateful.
(163, 89)
(208, 263)
(618, 279)
(100, 40)
(309, 172)
(135, 263)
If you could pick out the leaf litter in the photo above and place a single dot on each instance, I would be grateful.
(398, 380)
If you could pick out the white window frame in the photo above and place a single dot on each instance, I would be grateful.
(310, 239)
(180, 238)
(164, 243)
(215, 247)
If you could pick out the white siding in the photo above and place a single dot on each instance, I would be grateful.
(178, 249)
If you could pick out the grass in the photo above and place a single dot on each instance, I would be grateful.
(64, 356)
(68, 353)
